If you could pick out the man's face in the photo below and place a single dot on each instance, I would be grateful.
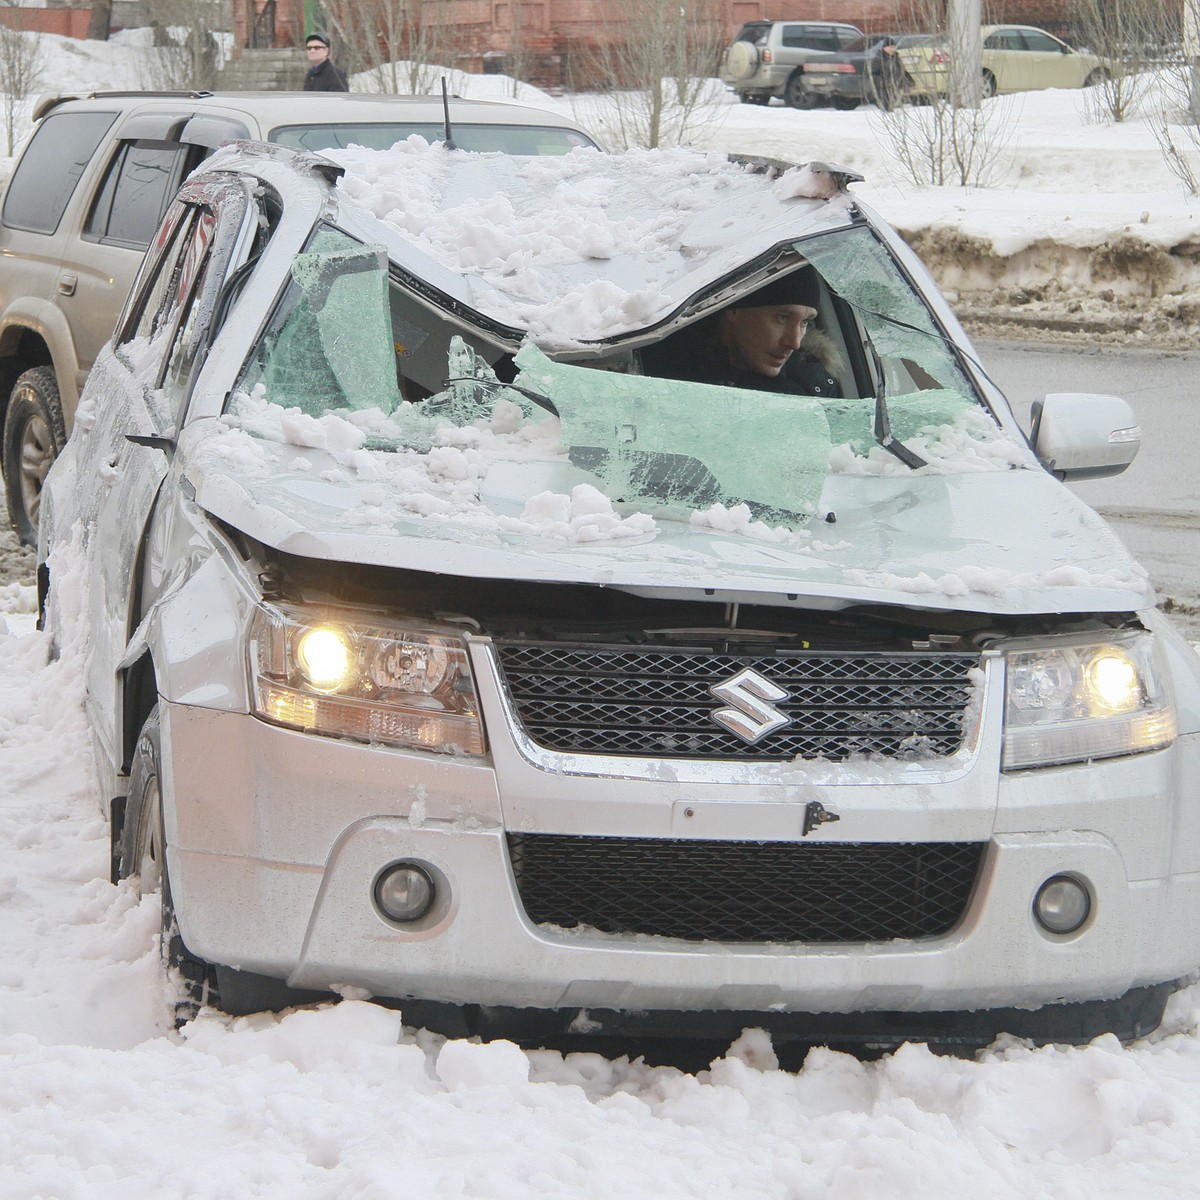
(318, 52)
(762, 339)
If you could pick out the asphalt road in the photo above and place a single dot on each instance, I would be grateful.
(1154, 506)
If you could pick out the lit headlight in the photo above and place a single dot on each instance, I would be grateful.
(1068, 702)
(344, 674)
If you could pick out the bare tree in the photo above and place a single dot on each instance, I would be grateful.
(406, 45)
(518, 46)
(1176, 119)
(1130, 36)
(185, 51)
(658, 58)
(945, 134)
(20, 66)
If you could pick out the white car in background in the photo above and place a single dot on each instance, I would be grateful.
(441, 649)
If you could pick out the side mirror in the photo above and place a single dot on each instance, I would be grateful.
(1077, 435)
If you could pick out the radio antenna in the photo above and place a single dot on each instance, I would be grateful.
(449, 139)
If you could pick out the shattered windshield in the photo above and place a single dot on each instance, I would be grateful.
(353, 360)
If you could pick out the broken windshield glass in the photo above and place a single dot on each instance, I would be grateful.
(916, 355)
(355, 350)
(331, 344)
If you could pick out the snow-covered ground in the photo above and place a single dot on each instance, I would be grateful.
(101, 1100)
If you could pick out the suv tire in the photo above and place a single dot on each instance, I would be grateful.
(743, 60)
(143, 858)
(794, 95)
(34, 435)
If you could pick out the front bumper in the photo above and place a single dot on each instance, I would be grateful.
(276, 838)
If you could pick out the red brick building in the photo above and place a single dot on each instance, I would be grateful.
(552, 37)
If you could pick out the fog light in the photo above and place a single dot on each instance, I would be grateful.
(404, 892)
(1062, 904)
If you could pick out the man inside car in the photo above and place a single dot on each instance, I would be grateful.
(764, 341)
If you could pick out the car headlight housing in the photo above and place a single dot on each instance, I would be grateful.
(345, 674)
(1076, 700)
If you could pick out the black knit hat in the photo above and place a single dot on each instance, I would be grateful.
(318, 36)
(799, 287)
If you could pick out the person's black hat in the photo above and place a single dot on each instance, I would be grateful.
(798, 287)
(318, 36)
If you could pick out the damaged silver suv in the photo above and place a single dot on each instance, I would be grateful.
(442, 646)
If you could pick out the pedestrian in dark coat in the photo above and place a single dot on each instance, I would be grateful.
(322, 75)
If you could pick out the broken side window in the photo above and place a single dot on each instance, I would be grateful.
(329, 345)
(923, 380)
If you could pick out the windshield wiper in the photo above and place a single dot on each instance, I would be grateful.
(883, 423)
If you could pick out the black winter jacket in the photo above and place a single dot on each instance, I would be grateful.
(694, 354)
(325, 78)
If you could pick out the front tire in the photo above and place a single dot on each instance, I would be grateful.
(1097, 77)
(34, 435)
(142, 857)
(989, 85)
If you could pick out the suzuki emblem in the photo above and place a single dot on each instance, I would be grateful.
(753, 713)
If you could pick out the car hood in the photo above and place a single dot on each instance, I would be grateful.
(1006, 542)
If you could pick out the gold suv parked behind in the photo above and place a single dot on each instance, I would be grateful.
(92, 185)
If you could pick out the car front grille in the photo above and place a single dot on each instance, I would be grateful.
(657, 703)
(725, 891)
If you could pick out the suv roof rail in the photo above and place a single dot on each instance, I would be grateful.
(49, 100)
(182, 94)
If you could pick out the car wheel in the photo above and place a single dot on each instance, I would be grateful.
(794, 95)
(844, 103)
(989, 85)
(1098, 76)
(34, 435)
(142, 857)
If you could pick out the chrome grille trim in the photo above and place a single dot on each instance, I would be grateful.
(643, 702)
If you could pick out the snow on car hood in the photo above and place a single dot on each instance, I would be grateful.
(990, 538)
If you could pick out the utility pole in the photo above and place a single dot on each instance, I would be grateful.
(963, 20)
(1191, 51)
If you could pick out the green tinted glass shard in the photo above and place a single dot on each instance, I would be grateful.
(689, 445)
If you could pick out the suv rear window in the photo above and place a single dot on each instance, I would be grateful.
(506, 139)
(804, 37)
(49, 171)
(756, 34)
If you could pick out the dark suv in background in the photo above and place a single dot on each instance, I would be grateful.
(91, 187)
(767, 58)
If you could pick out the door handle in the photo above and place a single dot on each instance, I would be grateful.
(66, 284)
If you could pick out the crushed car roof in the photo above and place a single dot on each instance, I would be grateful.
(589, 246)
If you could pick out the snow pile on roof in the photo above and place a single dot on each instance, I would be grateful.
(583, 246)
